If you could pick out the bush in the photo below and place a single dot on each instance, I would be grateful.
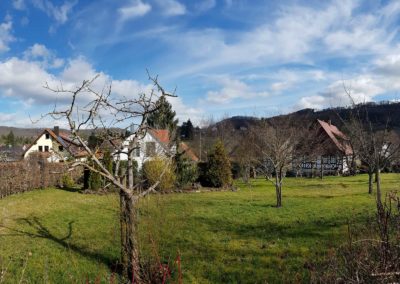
(95, 181)
(186, 171)
(152, 171)
(67, 181)
(217, 171)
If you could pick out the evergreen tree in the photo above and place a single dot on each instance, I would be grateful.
(10, 139)
(187, 130)
(163, 117)
(218, 170)
(93, 141)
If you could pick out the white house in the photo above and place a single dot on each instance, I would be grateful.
(156, 142)
(56, 146)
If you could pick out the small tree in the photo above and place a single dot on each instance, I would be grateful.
(275, 141)
(218, 168)
(375, 145)
(10, 138)
(186, 171)
(102, 110)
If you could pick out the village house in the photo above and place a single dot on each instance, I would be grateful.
(156, 142)
(56, 147)
(329, 152)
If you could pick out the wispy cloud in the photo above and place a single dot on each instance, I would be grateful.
(59, 13)
(172, 7)
(135, 9)
(6, 36)
(205, 5)
(232, 89)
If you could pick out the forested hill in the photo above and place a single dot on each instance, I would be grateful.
(378, 113)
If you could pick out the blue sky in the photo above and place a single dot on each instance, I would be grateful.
(226, 57)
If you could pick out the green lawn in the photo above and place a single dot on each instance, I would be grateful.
(55, 236)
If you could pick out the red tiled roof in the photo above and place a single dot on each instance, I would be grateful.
(341, 141)
(162, 135)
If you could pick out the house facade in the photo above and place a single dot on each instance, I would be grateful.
(56, 147)
(329, 152)
(156, 142)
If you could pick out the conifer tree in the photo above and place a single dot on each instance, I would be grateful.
(163, 117)
(218, 171)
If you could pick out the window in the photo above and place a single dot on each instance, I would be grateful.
(150, 149)
(137, 152)
(47, 136)
(46, 148)
(60, 148)
(40, 148)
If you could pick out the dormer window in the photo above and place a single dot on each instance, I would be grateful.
(60, 148)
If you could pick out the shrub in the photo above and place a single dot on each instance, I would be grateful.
(186, 171)
(217, 172)
(95, 181)
(153, 169)
(67, 181)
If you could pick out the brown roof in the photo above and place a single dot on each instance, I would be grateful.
(188, 152)
(63, 139)
(341, 141)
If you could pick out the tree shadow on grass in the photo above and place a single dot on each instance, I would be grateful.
(39, 230)
(71, 189)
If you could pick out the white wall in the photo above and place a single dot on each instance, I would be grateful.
(160, 151)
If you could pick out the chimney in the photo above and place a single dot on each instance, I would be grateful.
(330, 122)
(56, 130)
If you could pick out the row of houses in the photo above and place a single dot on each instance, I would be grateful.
(331, 155)
(57, 146)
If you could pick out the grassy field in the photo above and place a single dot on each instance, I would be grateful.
(56, 236)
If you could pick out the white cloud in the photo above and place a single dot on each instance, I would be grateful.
(185, 112)
(293, 34)
(362, 88)
(22, 81)
(135, 9)
(42, 54)
(232, 89)
(172, 7)
(205, 5)
(388, 65)
(6, 36)
(58, 13)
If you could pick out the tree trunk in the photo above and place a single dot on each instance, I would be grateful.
(278, 189)
(370, 183)
(129, 247)
(378, 187)
(130, 173)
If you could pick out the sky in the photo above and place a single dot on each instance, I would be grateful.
(223, 57)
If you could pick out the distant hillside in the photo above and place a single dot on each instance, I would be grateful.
(21, 132)
(379, 113)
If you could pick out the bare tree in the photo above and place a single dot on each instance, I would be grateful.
(374, 144)
(275, 141)
(103, 111)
